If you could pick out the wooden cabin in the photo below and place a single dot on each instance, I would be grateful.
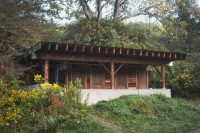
(97, 67)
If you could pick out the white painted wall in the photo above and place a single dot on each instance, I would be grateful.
(95, 95)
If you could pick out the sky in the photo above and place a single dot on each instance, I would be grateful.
(142, 18)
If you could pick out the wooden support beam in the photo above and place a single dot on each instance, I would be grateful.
(56, 73)
(66, 78)
(112, 75)
(105, 67)
(60, 57)
(46, 71)
(118, 68)
(163, 76)
(157, 70)
(69, 71)
(85, 77)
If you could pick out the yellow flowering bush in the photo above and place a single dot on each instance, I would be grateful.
(15, 102)
(182, 84)
(38, 78)
(55, 86)
(32, 109)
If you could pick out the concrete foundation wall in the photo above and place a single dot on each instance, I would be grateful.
(96, 95)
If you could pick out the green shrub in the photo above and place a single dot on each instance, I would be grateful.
(141, 106)
(119, 108)
(51, 108)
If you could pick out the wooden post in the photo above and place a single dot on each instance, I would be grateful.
(46, 71)
(163, 76)
(69, 72)
(66, 78)
(112, 75)
(56, 73)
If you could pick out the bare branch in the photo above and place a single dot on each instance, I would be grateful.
(99, 11)
(141, 12)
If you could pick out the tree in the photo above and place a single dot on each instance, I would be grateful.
(188, 12)
(22, 24)
(183, 26)
(116, 9)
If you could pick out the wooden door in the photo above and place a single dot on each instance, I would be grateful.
(97, 77)
(120, 79)
(131, 77)
(107, 80)
(142, 78)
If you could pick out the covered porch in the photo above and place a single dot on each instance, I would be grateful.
(98, 75)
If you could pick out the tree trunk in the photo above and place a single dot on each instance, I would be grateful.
(116, 9)
(99, 12)
(86, 9)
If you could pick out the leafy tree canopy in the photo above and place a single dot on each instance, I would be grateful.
(112, 33)
(24, 22)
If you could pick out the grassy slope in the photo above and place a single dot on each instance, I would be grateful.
(154, 114)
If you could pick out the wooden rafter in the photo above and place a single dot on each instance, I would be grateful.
(56, 47)
(140, 52)
(67, 47)
(91, 50)
(121, 65)
(104, 66)
(83, 49)
(127, 52)
(99, 59)
(49, 47)
(101, 50)
(157, 70)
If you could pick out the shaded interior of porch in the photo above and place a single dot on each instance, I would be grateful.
(95, 75)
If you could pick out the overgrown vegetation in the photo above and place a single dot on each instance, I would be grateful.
(25, 22)
(153, 114)
(50, 108)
